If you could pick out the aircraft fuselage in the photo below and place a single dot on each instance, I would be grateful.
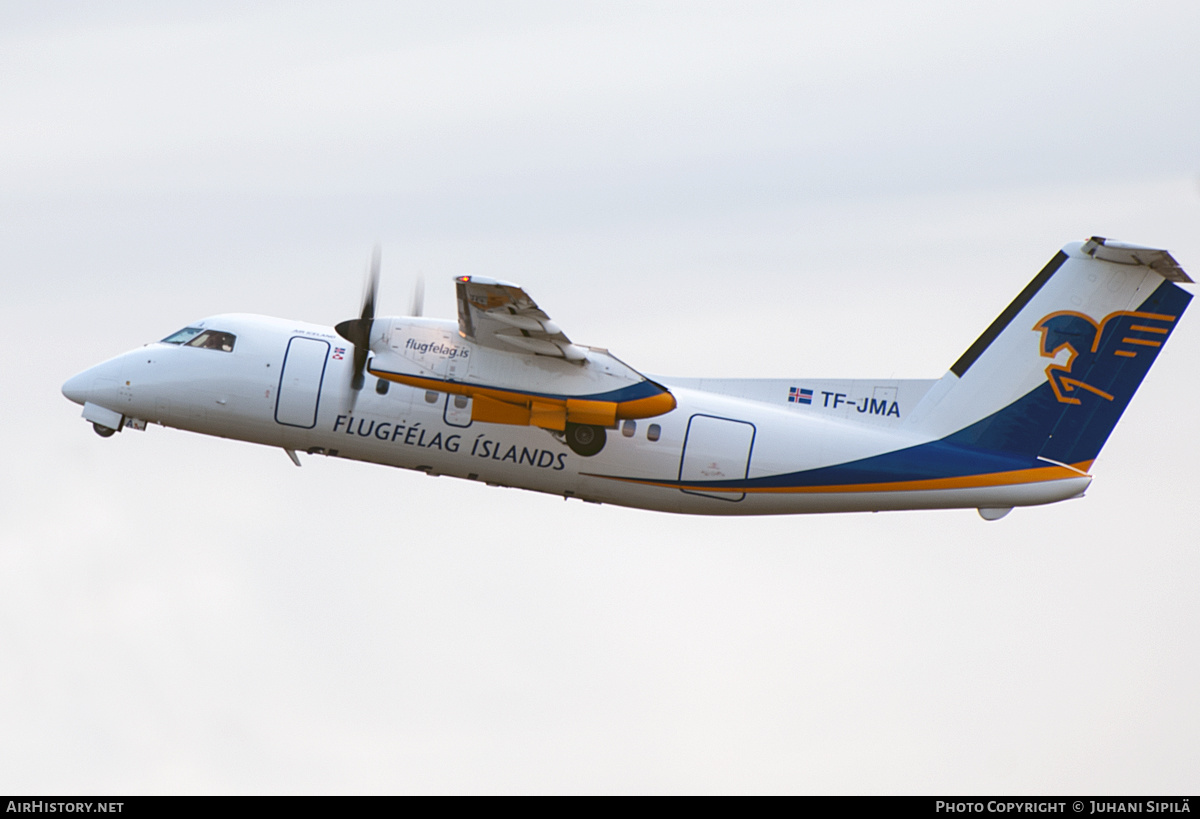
(288, 385)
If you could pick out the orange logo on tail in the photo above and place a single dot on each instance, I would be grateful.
(1084, 337)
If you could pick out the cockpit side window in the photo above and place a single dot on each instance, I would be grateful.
(213, 340)
(183, 336)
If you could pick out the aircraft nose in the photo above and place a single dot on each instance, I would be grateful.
(77, 387)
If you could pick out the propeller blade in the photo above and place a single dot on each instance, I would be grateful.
(417, 306)
(372, 287)
(358, 331)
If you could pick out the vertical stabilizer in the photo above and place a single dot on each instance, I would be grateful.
(1052, 374)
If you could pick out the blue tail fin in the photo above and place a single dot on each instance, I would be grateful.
(1052, 375)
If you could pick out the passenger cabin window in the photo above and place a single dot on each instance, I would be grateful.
(381, 387)
(629, 429)
(213, 340)
(431, 397)
(653, 432)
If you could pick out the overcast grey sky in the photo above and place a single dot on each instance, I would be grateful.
(759, 189)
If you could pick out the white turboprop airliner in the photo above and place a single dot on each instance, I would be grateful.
(503, 396)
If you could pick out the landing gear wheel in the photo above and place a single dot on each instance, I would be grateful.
(103, 431)
(585, 439)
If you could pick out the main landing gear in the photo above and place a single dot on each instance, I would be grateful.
(103, 431)
(585, 439)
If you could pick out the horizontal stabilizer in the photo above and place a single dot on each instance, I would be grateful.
(1160, 261)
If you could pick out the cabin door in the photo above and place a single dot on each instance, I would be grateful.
(299, 393)
(716, 449)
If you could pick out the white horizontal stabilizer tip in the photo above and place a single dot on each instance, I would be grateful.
(1160, 261)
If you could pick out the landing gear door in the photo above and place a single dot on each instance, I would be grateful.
(716, 449)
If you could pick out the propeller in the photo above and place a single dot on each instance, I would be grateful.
(358, 331)
(417, 305)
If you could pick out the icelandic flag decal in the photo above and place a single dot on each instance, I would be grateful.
(798, 395)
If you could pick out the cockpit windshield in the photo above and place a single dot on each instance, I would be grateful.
(183, 336)
(205, 339)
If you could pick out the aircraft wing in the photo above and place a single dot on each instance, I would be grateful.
(501, 315)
